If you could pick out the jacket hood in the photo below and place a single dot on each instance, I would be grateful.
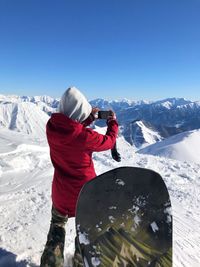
(74, 105)
(60, 129)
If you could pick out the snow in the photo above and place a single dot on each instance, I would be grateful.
(25, 189)
(23, 117)
(112, 208)
(95, 261)
(83, 238)
(180, 147)
(120, 182)
(154, 226)
(150, 136)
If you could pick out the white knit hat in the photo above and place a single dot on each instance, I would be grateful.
(74, 105)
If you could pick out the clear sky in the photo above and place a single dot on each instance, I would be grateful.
(137, 49)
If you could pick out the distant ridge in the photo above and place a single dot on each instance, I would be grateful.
(142, 123)
(25, 117)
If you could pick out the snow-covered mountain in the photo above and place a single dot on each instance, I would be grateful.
(50, 101)
(25, 117)
(158, 119)
(45, 103)
(140, 134)
(166, 117)
(183, 146)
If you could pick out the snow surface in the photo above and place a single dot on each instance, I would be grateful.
(150, 136)
(181, 146)
(25, 204)
(154, 226)
(24, 117)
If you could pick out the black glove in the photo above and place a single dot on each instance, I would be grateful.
(115, 155)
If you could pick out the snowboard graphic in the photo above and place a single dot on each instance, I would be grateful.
(124, 218)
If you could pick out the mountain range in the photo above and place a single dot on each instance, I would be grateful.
(163, 118)
(142, 123)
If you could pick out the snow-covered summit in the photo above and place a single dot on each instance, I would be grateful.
(15, 98)
(172, 102)
(126, 103)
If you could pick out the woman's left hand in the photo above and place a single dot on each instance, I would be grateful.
(95, 111)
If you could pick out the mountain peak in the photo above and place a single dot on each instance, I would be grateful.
(23, 117)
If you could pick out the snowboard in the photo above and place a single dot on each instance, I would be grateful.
(124, 218)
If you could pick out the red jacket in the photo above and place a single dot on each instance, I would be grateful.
(71, 146)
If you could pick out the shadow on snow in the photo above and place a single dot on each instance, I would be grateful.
(9, 259)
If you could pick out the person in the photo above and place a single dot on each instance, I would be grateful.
(71, 145)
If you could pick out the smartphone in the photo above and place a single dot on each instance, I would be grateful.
(102, 114)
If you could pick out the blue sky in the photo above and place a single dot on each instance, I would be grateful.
(138, 49)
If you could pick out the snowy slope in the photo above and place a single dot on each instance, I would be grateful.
(25, 184)
(23, 117)
(149, 135)
(141, 135)
(183, 146)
